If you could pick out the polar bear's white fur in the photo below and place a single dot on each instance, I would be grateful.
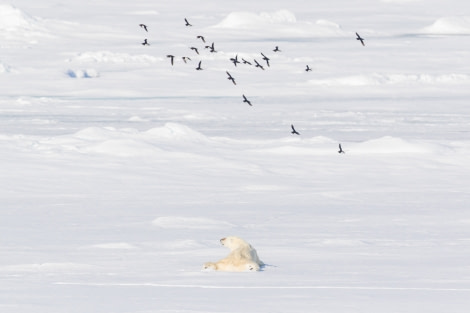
(242, 257)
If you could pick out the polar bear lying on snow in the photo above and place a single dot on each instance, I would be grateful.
(242, 257)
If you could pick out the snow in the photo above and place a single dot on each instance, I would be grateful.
(13, 18)
(120, 172)
(449, 25)
(283, 23)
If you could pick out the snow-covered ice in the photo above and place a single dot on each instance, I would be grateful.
(120, 172)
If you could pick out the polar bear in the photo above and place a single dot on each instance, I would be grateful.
(242, 257)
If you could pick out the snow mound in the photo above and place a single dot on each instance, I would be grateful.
(279, 23)
(123, 148)
(12, 18)
(83, 73)
(175, 131)
(98, 133)
(112, 57)
(16, 24)
(177, 222)
(4, 68)
(168, 132)
(390, 144)
(239, 20)
(391, 79)
(130, 142)
(454, 25)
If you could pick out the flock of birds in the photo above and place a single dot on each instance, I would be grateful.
(235, 61)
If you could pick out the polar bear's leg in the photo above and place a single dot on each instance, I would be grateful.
(252, 266)
(210, 266)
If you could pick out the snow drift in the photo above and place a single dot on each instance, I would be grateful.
(83, 73)
(12, 18)
(4, 68)
(377, 79)
(14, 23)
(112, 57)
(450, 25)
(282, 23)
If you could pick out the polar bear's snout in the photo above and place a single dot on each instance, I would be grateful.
(222, 240)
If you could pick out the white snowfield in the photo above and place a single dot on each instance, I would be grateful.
(120, 172)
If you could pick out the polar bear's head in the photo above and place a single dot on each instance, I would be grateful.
(233, 242)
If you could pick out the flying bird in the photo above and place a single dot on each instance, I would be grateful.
(186, 59)
(199, 68)
(245, 61)
(202, 38)
(276, 49)
(187, 23)
(194, 49)
(235, 60)
(360, 39)
(265, 58)
(172, 57)
(293, 130)
(308, 69)
(144, 27)
(231, 78)
(246, 100)
(145, 43)
(259, 65)
(211, 47)
(341, 149)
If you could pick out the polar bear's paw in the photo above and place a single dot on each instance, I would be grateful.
(252, 267)
(209, 267)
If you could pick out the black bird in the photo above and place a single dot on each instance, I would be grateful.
(195, 49)
(293, 130)
(276, 49)
(360, 39)
(341, 149)
(265, 58)
(211, 47)
(231, 78)
(235, 60)
(245, 61)
(199, 68)
(186, 59)
(171, 58)
(246, 100)
(144, 27)
(202, 38)
(308, 69)
(259, 65)
(187, 23)
(145, 43)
